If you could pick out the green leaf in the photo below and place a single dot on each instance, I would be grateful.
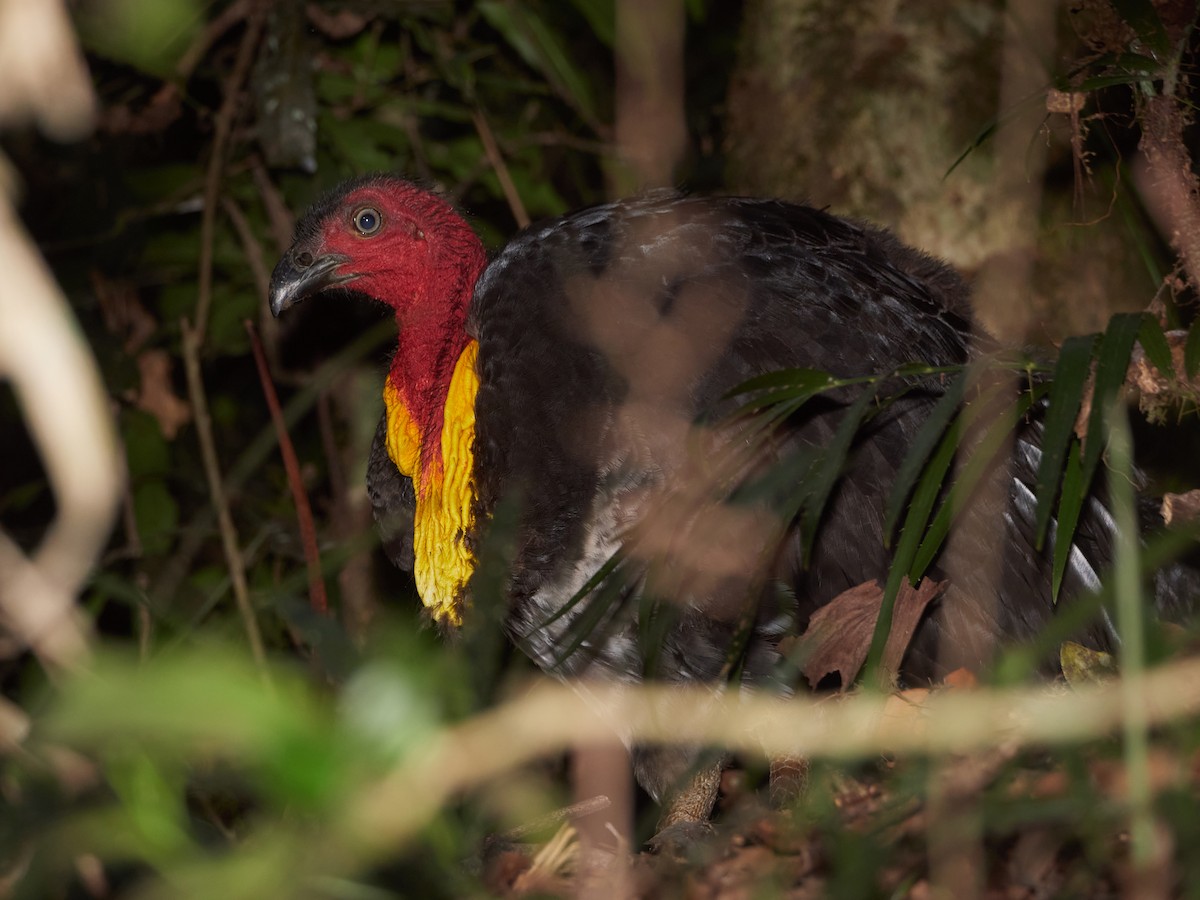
(153, 800)
(923, 499)
(923, 442)
(1143, 18)
(1129, 62)
(602, 605)
(832, 460)
(149, 35)
(1191, 350)
(146, 450)
(157, 516)
(1074, 489)
(541, 48)
(969, 476)
(1099, 82)
(1154, 343)
(1112, 361)
(1066, 394)
(601, 15)
(354, 141)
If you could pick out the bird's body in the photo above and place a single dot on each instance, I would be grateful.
(583, 375)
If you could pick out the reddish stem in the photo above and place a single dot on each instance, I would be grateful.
(308, 532)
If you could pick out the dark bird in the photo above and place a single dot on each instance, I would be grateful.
(584, 375)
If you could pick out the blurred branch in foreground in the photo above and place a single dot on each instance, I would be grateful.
(43, 354)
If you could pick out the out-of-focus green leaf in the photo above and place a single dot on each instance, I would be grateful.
(154, 183)
(174, 248)
(542, 49)
(1082, 665)
(146, 450)
(538, 193)
(1066, 394)
(459, 158)
(601, 16)
(165, 705)
(153, 800)
(231, 306)
(384, 704)
(353, 140)
(157, 516)
(149, 35)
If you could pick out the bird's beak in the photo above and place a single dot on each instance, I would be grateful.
(299, 274)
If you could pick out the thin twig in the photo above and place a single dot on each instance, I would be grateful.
(216, 489)
(250, 246)
(304, 517)
(212, 32)
(281, 218)
(133, 542)
(212, 180)
(493, 154)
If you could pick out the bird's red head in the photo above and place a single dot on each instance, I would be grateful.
(404, 246)
(388, 239)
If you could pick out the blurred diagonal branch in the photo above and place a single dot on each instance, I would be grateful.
(54, 376)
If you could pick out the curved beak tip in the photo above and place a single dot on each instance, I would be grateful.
(291, 283)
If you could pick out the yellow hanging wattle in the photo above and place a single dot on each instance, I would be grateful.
(443, 563)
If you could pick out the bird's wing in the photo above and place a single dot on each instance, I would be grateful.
(393, 500)
(605, 337)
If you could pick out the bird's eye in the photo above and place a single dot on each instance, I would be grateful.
(367, 220)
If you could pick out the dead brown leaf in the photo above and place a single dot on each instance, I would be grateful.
(124, 315)
(156, 395)
(1183, 508)
(839, 634)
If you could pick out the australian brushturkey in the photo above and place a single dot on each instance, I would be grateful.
(583, 375)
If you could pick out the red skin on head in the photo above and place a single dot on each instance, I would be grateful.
(423, 261)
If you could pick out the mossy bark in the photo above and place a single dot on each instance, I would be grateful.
(865, 105)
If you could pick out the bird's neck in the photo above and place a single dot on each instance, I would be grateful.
(432, 338)
(430, 400)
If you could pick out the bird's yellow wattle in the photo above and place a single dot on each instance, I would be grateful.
(444, 489)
